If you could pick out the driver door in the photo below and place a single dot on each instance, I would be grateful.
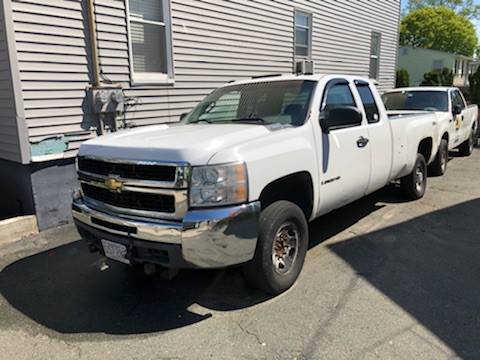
(345, 152)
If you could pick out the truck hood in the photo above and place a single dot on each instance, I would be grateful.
(194, 143)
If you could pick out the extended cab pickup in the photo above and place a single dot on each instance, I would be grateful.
(239, 178)
(456, 123)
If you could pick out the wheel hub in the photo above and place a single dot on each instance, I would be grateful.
(419, 178)
(285, 245)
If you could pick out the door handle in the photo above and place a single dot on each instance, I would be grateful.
(362, 142)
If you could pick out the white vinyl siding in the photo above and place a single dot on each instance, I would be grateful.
(213, 42)
(11, 122)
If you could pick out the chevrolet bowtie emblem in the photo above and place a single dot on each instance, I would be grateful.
(114, 184)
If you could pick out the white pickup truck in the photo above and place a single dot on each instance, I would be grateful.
(456, 123)
(237, 181)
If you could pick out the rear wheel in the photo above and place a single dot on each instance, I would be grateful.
(415, 184)
(281, 248)
(439, 165)
(466, 148)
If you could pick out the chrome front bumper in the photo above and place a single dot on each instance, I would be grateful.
(209, 238)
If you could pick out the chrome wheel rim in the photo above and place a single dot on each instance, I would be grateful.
(470, 143)
(419, 178)
(285, 248)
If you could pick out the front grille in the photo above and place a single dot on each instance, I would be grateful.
(128, 171)
(131, 200)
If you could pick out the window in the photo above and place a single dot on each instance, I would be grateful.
(423, 100)
(280, 102)
(375, 55)
(303, 34)
(150, 41)
(339, 95)
(457, 99)
(369, 104)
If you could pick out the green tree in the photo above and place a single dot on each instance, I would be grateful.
(439, 28)
(467, 8)
(402, 79)
(443, 77)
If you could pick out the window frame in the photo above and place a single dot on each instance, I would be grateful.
(149, 78)
(373, 56)
(310, 35)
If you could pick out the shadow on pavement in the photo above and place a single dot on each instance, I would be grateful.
(64, 290)
(429, 266)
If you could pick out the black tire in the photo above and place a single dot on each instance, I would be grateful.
(413, 187)
(439, 166)
(466, 148)
(279, 220)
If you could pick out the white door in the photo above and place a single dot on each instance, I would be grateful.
(461, 127)
(345, 153)
(379, 134)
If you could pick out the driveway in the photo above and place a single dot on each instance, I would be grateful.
(383, 279)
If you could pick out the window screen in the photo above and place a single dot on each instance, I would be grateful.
(375, 55)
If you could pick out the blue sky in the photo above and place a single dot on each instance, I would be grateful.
(477, 22)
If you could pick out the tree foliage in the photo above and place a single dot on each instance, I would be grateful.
(467, 8)
(439, 28)
(443, 77)
(402, 79)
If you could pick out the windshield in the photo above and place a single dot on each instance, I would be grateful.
(281, 102)
(416, 100)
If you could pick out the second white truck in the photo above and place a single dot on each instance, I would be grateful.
(236, 182)
(456, 124)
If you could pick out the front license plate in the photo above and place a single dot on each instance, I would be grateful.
(115, 251)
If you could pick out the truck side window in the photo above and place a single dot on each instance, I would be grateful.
(338, 96)
(458, 99)
(369, 104)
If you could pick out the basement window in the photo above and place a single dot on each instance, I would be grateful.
(150, 41)
(303, 35)
(375, 55)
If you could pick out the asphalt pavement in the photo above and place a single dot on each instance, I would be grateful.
(384, 279)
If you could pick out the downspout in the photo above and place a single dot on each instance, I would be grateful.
(93, 43)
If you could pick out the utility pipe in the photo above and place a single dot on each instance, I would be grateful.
(93, 42)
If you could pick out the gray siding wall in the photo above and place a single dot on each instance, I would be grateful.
(214, 41)
(10, 129)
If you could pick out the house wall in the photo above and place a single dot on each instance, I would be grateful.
(214, 41)
(11, 130)
(418, 61)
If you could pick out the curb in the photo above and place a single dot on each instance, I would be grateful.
(15, 229)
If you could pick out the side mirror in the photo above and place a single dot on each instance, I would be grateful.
(183, 116)
(456, 110)
(340, 117)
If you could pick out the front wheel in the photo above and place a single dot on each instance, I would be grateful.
(466, 148)
(414, 184)
(281, 248)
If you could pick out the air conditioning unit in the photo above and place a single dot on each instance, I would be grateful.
(306, 67)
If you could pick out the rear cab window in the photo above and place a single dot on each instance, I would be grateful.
(416, 100)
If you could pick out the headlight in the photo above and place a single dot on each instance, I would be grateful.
(218, 185)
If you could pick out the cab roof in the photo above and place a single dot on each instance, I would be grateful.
(289, 77)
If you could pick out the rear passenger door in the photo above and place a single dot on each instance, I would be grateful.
(345, 152)
(379, 134)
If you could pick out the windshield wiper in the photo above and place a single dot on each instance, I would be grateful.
(251, 119)
(199, 121)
